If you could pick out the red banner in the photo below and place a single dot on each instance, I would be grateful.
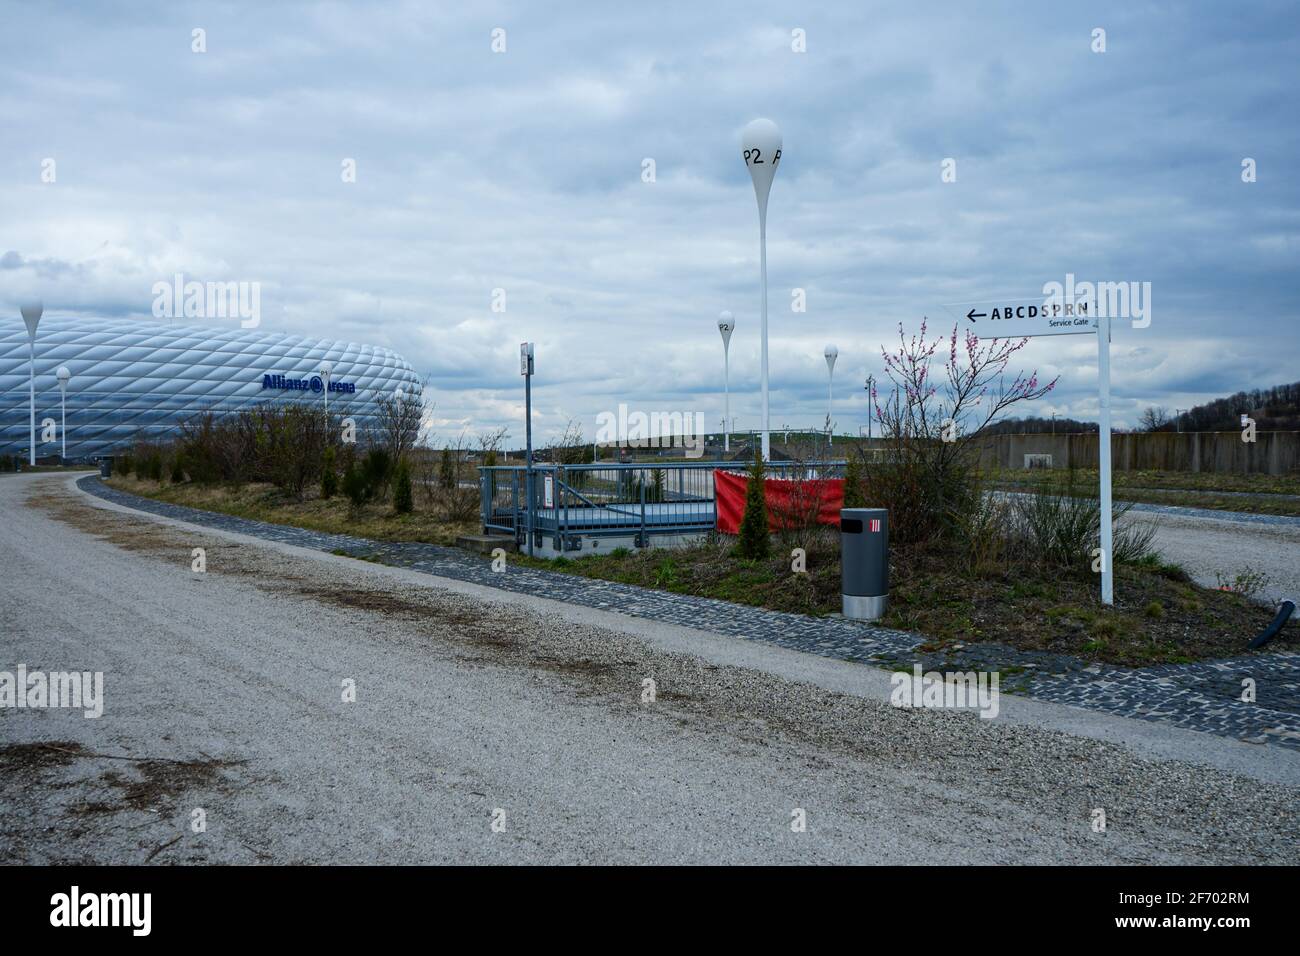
(790, 504)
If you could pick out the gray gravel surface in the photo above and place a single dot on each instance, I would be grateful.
(1206, 546)
(223, 693)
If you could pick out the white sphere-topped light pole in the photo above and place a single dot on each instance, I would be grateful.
(726, 325)
(761, 147)
(831, 353)
(63, 375)
(326, 370)
(32, 312)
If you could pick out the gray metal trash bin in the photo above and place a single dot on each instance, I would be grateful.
(864, 562)
(106, 467)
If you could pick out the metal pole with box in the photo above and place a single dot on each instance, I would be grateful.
(526, 370)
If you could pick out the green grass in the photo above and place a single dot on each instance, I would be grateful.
(1020, 600)
(1163, 480)
(1254, 494)
(1023, 603)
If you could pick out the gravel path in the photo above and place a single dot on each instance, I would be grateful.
(223, 690)
(1205, 545)
(1204, 696)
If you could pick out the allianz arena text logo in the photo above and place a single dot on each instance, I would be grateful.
(313, 384)
(180, 299)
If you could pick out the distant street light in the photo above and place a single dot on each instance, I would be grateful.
(761, 143)
(63, 376)
(726, 325)
(526, 368)
(871, 405)
(32, 312)
(326, 369)
(831, 353)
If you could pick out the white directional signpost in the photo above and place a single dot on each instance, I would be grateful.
(1103, 453)
(761, 145)
(1018, 319)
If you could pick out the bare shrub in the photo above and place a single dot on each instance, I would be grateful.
(987, 534)
(927, 474)
(399, 418)
(1057, 525)
(288, 445)
(456, 505)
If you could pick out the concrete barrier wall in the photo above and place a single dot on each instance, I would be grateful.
(1272, 453)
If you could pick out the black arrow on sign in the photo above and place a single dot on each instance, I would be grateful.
(972, 313)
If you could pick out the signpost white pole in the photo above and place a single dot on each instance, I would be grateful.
(1103, 445)
(831, 353)
(1072, 317)
(526, 370)
(726, 325)
(63, 375)
(761, 143)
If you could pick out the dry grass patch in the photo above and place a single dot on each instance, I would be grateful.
(262, 502)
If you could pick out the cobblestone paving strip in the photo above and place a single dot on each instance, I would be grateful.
(1204, 696)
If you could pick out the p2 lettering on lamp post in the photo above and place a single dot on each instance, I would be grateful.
(761, 148)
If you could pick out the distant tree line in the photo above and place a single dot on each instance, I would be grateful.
(1034, 426)
(1273, 409)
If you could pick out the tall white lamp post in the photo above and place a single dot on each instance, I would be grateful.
(63, 376)
(32, 312)
(831, 353)
(726, 325)
(761, 145)
(326, 370)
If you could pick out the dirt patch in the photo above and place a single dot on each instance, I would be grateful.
(381, 601)
(386, 602)
(144, 783)
(32, 758)
(157, 784)
(468, 628)
(130, 534)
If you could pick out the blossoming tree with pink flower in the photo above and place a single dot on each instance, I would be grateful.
(930, 420)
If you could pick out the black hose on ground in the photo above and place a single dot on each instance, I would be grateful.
(1270, 632)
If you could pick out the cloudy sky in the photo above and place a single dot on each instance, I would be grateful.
(522, 171)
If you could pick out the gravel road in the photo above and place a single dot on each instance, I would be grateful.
(1206, 546)
(223, 693)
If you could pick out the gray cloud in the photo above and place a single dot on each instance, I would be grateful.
(522, 171)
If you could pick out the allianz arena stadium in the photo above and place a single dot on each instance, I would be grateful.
(134, 380)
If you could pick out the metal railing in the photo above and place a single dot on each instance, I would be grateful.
(640, 499)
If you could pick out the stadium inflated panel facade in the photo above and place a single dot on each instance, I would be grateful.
(135, 380)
